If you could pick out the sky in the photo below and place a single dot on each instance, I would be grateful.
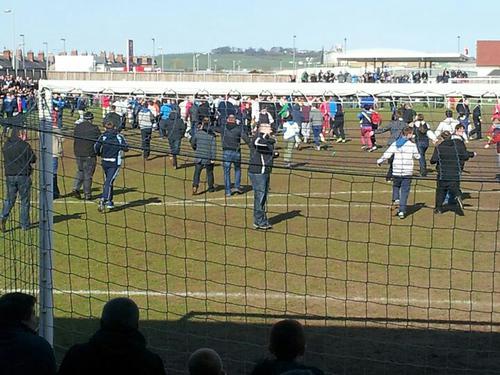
(202, 25)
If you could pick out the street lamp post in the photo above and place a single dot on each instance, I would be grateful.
(22, 50)
(458, 43)
(215, 65)
(345, 46)
(294, 53)
(160, 49)
(46, 44)
(154, 52)
(14, 57)
(63, 40)
(209, 64)
(197, 61)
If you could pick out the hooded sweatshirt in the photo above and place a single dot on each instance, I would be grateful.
(448, 124)
(404, 152)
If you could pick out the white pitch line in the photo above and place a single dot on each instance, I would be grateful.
(262, 296)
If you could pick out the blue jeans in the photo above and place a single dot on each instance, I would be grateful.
(175, 146)
(60, 119)
(21, 185)
(231, 157)
(260, 185)
(111, 171)
(422, 148)
(316, 132)
(401, 190)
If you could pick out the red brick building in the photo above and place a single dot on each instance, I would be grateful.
(488, 53)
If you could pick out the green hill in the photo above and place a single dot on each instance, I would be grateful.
(241, 61)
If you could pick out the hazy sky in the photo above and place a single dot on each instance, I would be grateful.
(197, 25)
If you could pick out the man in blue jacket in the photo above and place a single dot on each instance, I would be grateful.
(110, 146)
(58, 103)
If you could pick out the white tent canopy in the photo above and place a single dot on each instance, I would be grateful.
(278, 89)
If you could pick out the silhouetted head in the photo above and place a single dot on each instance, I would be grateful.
(18, 308)
(287, 340)
(120, 314)
(205, 361)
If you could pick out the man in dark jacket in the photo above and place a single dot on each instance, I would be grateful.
(17, 157)
(85, 135)
(231, 134)
(476, 118)
(116, 348)
(449, 157)
(115, 118)
(176, 128)
(287, 342)
(204, 144)
(261, 163)
(22, 351)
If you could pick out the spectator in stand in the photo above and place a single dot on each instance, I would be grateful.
(287, 343)
(22, 351)
(205, 361)
(403, 150)
(176, 128)
(116, 348)
(205, 146)
(85, 135)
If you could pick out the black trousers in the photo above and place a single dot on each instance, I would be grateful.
(476, 130)
(146, 141)
(442, 187)
(338, 127)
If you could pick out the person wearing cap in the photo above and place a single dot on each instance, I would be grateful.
(85, 135)
(204, 144)
(261, 163)
(110, 147)
(18, 158)
(118, 347)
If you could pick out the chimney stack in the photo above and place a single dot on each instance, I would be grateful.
(120, 59)
(30, 56)
(41, 56)
(7, 54)
(74, 52)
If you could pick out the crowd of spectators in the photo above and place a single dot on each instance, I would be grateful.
(450, 74)
(17, 95)
(377, 76)
(118, 346)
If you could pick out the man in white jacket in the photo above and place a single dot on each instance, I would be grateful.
(448, 124)
(404, 151)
